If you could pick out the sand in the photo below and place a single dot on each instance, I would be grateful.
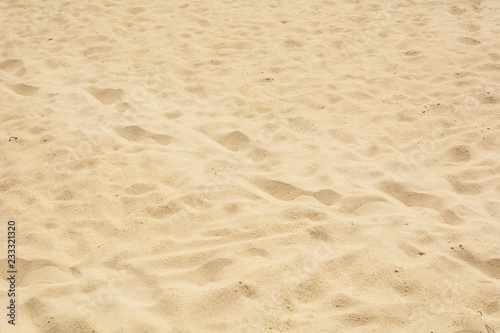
(251, 166)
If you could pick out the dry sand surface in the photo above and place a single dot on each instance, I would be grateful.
(251, 166)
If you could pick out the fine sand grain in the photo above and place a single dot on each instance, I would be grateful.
(251, 166)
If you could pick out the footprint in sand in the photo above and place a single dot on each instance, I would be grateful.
(24, 89)
(288, 192)
(10, 65)
(234, 141)
(136, 133)
(106, 96)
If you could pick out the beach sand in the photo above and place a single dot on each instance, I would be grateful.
(251, 166)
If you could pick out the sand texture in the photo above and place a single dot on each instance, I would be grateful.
(251, 166)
